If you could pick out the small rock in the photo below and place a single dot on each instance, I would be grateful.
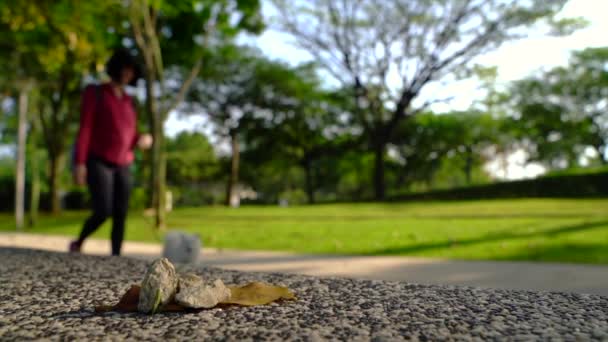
(203, 296)
(189, 280)
(160, 281)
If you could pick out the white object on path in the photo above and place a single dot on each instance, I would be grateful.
(181, 247)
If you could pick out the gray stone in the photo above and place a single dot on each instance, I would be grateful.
(202, 295)
(189, 280)
(158, 287)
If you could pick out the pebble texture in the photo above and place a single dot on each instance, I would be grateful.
(52, 295)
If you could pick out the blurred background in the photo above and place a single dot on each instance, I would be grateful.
(459, 129)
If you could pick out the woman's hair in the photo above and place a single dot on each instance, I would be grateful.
(120, 60)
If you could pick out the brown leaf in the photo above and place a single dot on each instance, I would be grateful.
(257, 293)
(174, 307)
(103, 308)
(128, 302)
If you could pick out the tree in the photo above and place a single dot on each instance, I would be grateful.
(388, 52)
(421, 145)
(34, 160)
(475, 133)
(176, 34)
(561, 112)
(190, 159)
(305, 131)
(56, 43)
(238, 87)
(20, 165)
(432, 141)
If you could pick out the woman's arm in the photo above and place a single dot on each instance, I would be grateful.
(87, 112)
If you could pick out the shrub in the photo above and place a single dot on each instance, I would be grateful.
(571, 186)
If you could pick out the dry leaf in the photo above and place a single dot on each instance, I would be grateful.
(128, 302)
(257, 293)
(252, 294)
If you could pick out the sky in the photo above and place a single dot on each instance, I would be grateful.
(515, 60)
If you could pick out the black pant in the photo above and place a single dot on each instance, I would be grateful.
(110, 187)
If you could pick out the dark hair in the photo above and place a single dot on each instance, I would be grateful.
(120, 60)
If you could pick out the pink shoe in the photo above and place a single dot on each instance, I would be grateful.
(74, 247)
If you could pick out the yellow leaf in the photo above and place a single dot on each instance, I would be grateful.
(257, 293)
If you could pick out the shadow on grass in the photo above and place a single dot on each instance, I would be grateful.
(413, 249)
(591, 253)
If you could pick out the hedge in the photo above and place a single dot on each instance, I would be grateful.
(571, 186)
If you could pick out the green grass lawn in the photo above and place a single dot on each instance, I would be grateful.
(539, 230)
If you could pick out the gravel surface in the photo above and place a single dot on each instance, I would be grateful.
(52, 295)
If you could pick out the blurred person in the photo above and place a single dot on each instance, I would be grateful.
(104, 148)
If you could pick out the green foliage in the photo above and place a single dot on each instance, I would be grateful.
(273, 111)
(183, 25)
(7, 183)
(450, 174)
(293, 197)
(568, 186)
(579, 171)
(271, 178)
(454, 141)
(138, 199)
(53, 46)
(190, 159)
(197, 195)
(561, 112)
(351, 176)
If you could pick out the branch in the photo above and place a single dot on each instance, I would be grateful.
(429, 103)
(181, 94)
(185, 87)
(314, 45)
(139, 37)
(432, 68)
(339, 40)
(360, 89)
(150, 30)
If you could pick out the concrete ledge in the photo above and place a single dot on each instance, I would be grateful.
(51, 295)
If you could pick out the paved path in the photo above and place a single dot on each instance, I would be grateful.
(47, 295)
(500, 275)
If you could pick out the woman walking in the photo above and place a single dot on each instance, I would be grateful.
(104, 148)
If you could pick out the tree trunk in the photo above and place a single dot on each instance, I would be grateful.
(310, 190)
(379, 183)
(35, 191)
(20, 164)
(601, 151)
(233, 179)
(147, 179)
(468, 164)
(35, 172)
(56, 166)
(156, 119)
(158, 175)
